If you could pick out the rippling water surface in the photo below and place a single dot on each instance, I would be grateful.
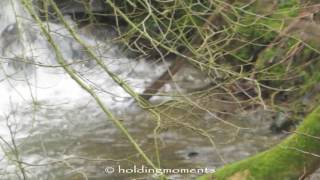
(55, 128)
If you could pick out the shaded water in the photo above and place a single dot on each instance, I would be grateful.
(79, 143)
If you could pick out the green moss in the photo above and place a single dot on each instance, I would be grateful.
(263, 30)
(286, 161)
(285, 4)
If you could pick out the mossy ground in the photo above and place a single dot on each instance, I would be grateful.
(295, 157)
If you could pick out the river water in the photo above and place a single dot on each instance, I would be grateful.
(57, 130)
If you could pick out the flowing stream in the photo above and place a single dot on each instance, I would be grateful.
(57, 130)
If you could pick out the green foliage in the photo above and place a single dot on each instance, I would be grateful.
(239, 35)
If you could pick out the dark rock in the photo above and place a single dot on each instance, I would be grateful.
(81, 11)
(282, 123)
(192, 154)
(74, 6)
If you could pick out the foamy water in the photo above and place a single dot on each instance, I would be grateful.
(31, 79)
(26, 76)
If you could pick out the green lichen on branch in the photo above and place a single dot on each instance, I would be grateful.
(295, 158)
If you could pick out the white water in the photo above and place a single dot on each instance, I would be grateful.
(28, 83)
(23, 84)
